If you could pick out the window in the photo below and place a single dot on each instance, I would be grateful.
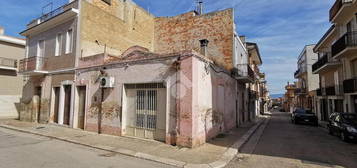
(109, 2)
(349, 27)
(69, 41)
(41, 48)
(58, 50)
(354, 67)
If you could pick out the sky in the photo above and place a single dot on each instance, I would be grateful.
(281, 28)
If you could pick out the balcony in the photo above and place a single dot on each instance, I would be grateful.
(337, 8)
(300, 91)
(244, 73)
(330, 91)
(8, 64)
(346, 45)
(350, 85)
(32, 65)
(53, 18)
(323, 65)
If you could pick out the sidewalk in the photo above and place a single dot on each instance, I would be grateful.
(216, 153)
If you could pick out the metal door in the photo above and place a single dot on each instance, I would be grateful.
(81, 106)
(148, 112)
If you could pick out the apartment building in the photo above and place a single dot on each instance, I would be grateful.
(289, 97)
(337, 51)
(264, 96)
(111, 67)
(12, 49)
(307, 82)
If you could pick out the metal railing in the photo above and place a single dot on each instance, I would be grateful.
(330, 91)
(32, 63)
(347, 40)
(7, 62)
(297, 72)
(350, 85)
(319, 63)
(337, 6)
(53, 13)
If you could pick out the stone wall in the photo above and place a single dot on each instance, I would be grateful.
(183, 32)
(114, 28)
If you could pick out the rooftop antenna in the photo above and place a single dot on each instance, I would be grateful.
(199, 7)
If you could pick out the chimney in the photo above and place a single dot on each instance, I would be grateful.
(199, 8)
(204, 44)
(2, 31)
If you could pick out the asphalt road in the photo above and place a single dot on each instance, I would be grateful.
(283, 144)
(19, 150)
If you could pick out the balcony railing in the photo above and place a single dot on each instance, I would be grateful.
(300, 91)
(350, 85)
(32, 64)
(347, 40)
(319, 63)
(330, 91)
(52, 14)
(244, 70)
(297, 72)
(7, 62)
(337, 6)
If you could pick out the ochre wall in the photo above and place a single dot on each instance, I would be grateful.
(118, 26)
(183, 32)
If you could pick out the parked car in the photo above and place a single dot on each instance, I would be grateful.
(344, 125)
(303, 116)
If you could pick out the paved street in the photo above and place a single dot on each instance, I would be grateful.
(18, 150)
(285, 145)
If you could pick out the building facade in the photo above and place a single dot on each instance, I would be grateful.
(307, 82)
(289, 97)
(337, 51)
(111, 67)
(11, 51)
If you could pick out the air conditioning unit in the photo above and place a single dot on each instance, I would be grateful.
(107, 82)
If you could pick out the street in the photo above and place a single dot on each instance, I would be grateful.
(19, 150)
(283, 144)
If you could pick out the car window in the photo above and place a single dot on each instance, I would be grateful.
(350, 118)
(300, 111)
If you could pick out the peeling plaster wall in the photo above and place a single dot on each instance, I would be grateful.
(117, 26)
(154, 72)
(183, 32)
(216, 113)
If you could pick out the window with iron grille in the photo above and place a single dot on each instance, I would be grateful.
(146, 109)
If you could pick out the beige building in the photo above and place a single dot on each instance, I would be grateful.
(337, 62)
(11, 51)
(307, 82)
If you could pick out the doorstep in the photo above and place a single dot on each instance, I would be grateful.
(216, 153)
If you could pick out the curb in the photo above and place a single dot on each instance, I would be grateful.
(230, 153)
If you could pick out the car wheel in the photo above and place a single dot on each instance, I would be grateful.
(343, 137)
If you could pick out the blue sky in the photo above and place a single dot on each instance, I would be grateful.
(280, 27)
